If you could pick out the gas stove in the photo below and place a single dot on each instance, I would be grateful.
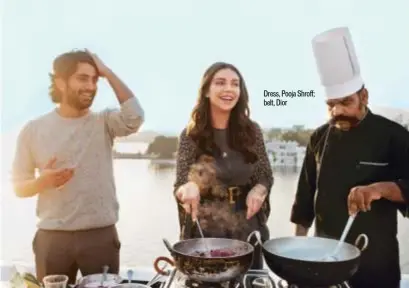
(252, 279)
(283, 284)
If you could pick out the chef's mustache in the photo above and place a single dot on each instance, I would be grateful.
(342, 118)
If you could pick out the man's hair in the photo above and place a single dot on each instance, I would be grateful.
(65, 66)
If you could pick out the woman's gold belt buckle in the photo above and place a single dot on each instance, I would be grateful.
(234, 192)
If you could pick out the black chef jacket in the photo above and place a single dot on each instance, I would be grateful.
(376, 150)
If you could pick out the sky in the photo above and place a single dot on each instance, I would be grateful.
(161, 48)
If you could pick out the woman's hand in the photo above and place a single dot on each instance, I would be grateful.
(189, 195)
(255, 200)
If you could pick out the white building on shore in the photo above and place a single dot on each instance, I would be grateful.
(285, 153)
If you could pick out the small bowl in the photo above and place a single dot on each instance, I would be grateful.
(94, 280)
(55, 281)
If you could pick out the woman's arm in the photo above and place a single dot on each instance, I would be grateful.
(262, 180)
(186, 156)
(262, 174)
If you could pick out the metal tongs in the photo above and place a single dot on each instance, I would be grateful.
(203, 238)
(207, 250)
(157, 277)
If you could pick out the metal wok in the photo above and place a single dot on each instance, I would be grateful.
(302, 260)
(205, 268)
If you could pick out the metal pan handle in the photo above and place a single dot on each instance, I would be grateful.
(365, 243)
(257, 234)
(159, 270)
(168, 246)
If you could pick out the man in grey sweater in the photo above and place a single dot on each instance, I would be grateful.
(71, 148)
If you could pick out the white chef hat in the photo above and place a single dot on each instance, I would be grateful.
(337, 63)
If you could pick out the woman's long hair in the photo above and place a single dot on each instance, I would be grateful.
(241, 130)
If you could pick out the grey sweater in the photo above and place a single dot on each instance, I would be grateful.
(88, 200)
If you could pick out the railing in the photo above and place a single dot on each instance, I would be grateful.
(139, 273)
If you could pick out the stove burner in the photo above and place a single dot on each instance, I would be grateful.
(252, 279)
(258, 278)
(194, 284)
(283, 284)
(177, 279)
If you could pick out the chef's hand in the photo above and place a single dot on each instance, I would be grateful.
(189, 195)
(54, 178)
(255, 200)
(361, 197)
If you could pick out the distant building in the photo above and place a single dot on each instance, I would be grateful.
(398, 115)
(285, 153)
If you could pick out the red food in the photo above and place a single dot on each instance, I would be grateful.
(215, 253)
(222, 253)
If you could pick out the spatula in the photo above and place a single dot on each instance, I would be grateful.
(342, 240)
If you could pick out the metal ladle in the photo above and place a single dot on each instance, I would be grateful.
(342, 239)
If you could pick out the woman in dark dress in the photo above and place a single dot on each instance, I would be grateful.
(220, 127)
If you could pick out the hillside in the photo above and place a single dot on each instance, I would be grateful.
(143, 136)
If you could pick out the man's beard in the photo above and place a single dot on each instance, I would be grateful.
(346, 122)
(76, 100)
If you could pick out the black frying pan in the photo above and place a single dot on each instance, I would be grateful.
(302, 261)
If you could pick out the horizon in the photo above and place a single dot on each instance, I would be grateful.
(388, 112)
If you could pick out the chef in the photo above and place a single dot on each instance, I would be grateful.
(356, 163)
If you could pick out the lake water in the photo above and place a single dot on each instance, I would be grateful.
(147, 212)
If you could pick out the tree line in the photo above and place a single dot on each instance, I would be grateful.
(166, 146)
(297, 133)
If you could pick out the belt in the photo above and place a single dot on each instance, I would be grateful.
(235, 195)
